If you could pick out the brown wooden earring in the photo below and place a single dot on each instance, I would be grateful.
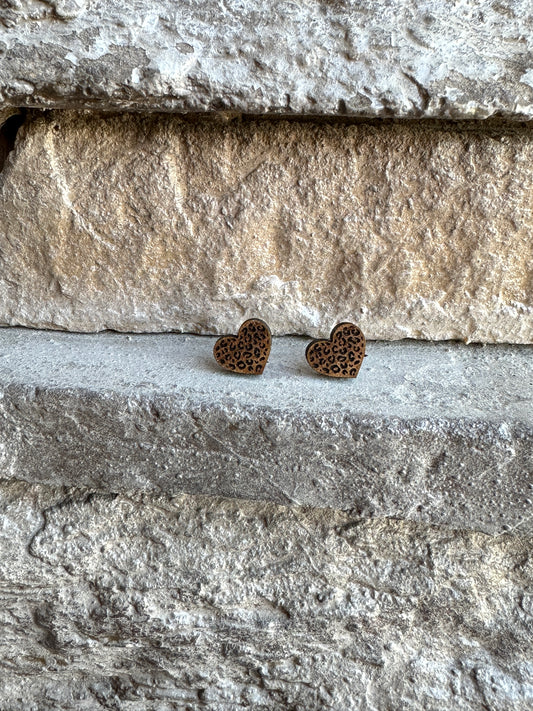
(248, 351)
(341, 355)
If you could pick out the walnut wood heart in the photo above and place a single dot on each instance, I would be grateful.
(248, 351)
(340, 356)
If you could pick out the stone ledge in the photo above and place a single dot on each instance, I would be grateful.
(441, 433)
(371, 58)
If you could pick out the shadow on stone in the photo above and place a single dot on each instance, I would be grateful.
(8, 136)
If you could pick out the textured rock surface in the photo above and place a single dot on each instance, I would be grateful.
(137, 603)
(151, 223)
(441, 434)
(362, 57)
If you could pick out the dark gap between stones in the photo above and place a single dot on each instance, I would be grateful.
(8, 136)
(495, 125)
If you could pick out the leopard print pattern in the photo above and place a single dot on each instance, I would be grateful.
(340, 356)
(248, 351)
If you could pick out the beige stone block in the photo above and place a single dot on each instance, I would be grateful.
(155, 223)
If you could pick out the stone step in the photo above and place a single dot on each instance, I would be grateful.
(364, 58)
(144, 602)
(143, 223)
(438, 433)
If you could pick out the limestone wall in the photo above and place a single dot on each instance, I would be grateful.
(178, 538)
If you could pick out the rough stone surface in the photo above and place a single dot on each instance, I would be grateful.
(359, 57)
(436, 433)
(140, 603)
(139, 223)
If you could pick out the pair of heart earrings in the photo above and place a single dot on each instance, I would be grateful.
(340, 356)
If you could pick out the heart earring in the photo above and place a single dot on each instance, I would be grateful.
(248, 351)
(340, 356)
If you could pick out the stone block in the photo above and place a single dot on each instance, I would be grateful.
(150, 602)
(372, 58)
(152, 223)
(441, 434)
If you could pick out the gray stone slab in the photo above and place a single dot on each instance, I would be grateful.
(363, 58)
(151, 603)
(441, 433)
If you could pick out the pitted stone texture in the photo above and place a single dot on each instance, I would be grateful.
(368, 58)
(441, 434)
(141, 223)
(181, 603)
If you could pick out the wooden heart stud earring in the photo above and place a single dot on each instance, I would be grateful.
(340, 356)
(248, 351)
